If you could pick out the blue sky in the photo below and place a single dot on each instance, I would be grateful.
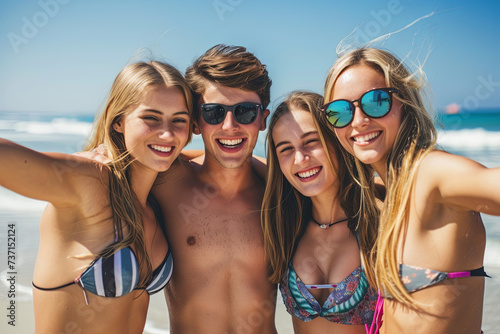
(63, 55)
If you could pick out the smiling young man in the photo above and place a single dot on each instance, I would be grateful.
(212, 204)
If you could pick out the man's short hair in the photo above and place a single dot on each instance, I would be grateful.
(230, 66)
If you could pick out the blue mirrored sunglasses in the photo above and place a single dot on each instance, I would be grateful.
(375, 103)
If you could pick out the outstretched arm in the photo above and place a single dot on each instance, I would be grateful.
(51, 177)
(464, 182)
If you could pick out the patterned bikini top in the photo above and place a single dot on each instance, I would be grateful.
(352, 301)
(416, 278)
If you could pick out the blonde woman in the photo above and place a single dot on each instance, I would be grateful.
(429, 255)
(102, 250)
(313, 226)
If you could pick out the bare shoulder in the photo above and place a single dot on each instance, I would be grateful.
(459, 182)
(259, 166)
(91, 178)
(439, 165)
(255, 192)
(87, 173)
(443, 157)
(88, 198)
(77, 162)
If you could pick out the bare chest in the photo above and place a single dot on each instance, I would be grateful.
(201, 224)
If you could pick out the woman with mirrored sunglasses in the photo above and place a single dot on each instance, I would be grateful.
(428, 258)
(375, 103)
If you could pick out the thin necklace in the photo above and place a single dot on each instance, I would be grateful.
(325, 226)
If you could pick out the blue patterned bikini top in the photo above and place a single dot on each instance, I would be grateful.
(352, 302)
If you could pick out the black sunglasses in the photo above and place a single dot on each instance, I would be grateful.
(244, 112)
(375, 103)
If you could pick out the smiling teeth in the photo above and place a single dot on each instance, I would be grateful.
(230, 142)
(365, 138)
(308, 173)
(164, 149)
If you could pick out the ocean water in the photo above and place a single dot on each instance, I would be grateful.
(475, 135)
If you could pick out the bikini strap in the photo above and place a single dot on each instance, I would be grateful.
(377, 317)
(475, 272)
(50, 289)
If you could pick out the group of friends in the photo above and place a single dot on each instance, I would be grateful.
(362, 222)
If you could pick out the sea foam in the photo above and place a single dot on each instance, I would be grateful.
(470, 139)
(55, 126)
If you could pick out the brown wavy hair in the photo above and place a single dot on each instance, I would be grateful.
(128, 89)
(285, 211)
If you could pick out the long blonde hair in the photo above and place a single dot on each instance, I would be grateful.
(285, 211)
(128, 89)
(415, 139)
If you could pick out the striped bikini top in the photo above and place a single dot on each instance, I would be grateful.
(118, 274)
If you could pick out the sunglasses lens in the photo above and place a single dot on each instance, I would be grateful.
(213, 113)
(246, 113)
(376, 103)
(339, 113)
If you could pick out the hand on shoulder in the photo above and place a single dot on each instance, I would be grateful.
(99, 154)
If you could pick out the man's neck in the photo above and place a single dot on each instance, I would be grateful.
(228, 181)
